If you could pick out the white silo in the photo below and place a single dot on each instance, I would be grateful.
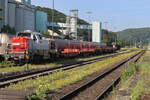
(96, 32)
(73, 22)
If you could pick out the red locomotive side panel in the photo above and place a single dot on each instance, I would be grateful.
(19, 45)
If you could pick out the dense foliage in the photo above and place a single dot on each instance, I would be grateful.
(85, 34)
(135, 36)
(108, 37)
(8, 29)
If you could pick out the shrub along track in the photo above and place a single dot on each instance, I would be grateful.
(14, 77)
(95, 86)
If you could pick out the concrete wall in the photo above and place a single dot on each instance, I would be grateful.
(96, 32)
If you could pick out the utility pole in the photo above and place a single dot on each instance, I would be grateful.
(53, 8)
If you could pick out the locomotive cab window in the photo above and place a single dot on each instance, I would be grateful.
(53, 45)
(39, 37)
(24, 34)
(34, 38)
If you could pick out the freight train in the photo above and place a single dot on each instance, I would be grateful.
(32, 46)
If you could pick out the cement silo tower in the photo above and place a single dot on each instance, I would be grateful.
(73, 22)
(68, 25)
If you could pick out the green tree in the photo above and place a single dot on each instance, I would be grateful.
(8, 29)
(83, 34)
(109, 37)
(135, 36)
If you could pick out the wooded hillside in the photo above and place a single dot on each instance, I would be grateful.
(135, 35)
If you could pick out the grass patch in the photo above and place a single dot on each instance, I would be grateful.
(128, 72)
(144, 81)
(24, 67)
(5, 63)
(144, 67)
(137, 90)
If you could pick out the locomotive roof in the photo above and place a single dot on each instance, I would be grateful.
(29, 31)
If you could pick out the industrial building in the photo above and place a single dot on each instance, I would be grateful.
(96, 32)
(21, 15)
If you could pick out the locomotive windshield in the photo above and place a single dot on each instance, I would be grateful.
(24, 34)
(39, 37)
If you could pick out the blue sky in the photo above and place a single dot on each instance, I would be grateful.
(120, 14)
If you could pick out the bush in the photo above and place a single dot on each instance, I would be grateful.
(8, 29)
(128, 72)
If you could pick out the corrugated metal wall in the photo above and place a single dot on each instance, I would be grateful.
(25, 19)
(29, 20)
(11, 14)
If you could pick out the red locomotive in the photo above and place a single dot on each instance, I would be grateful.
(30, 45)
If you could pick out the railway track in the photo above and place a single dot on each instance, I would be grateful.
(15, 77)
(98, 87)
